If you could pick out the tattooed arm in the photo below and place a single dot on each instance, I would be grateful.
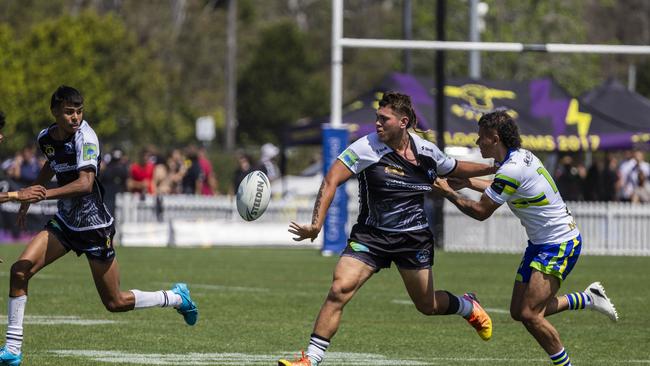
(337, 174)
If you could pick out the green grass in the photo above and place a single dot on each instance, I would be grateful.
(263, 301)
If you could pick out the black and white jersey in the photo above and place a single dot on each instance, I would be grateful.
(391, 189)
(67, 158)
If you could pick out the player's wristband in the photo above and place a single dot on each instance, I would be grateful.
(13, 195)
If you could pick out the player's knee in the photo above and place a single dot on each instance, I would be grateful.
(21, 271)
(529, 316)
(426, 307)
(340, 292)
(515, 314)
(117, 305)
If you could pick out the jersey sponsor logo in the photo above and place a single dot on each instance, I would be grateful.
(65, 167)
(498, 186)
(432, 174)
(349, 158)
(409, 186)
(528, 158)
(48, 150)
(89, 151)
(68, 148)
(358, 247)
(394, 170)
(381, 150)
(423, 256)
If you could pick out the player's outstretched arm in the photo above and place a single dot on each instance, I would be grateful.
(468, 169)
(80, 186)
(336, 176)
(480, 210)
(476, 184)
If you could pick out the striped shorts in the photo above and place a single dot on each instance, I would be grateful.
(554, 259)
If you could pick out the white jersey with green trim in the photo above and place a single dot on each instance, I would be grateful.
(532, 195)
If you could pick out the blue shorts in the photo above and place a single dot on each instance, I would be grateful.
(553, 259)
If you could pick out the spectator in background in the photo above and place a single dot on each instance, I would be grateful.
(570, 178)
(24, 168)
(209, 184)
(193, 178)
(114, 177)
(601, 177)
(141, 173)
(641, 192)
(244, 166)
(267, 164)
(629, 174)
(177, 168)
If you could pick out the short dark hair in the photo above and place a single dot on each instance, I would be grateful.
(400, 103)
(66, 94)
(2, 120)
(504, 125)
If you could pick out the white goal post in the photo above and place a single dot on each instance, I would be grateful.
(338, 42)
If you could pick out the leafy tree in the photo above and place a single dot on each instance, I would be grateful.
(277, 87)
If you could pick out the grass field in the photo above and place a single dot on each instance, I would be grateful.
(258, 304)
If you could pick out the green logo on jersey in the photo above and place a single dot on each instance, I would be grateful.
(349, 158)
(90, 151)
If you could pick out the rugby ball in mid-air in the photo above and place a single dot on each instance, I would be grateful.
(253, 195)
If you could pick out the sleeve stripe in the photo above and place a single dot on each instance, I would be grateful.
(507, 180)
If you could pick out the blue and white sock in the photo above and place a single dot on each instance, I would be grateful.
(15, 315)
(578, 300)
(561, 358)
(316, 349)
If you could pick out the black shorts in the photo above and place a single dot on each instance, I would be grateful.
(378, 248)
(96, 244)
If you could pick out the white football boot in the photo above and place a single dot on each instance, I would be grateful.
(600, 302)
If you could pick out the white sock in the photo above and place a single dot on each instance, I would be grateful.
(316, 349)
(15, 315)
(160, 298)
(465, 307)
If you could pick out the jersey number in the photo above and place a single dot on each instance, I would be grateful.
(541, 170)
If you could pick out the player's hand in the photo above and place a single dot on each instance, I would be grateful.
(32, 194)
(303, 232)
(441, 187)
(21, 219)
(458, 183)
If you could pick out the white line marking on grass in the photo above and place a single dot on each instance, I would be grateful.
(60, 320)
(223, 288)
(333, 358)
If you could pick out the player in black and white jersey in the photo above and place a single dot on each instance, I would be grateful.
(82, 224)
(395, 170)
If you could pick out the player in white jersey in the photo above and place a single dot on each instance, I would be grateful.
(554, 242)
(395, 170)
(82, 224)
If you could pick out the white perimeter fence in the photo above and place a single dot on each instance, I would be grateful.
(613, 228)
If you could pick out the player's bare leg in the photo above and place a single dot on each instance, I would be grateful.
(106, 275)
(349, 275)
(42, 250)
(420, 287)
(528, 305)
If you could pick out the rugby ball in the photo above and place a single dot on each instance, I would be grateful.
(253, 195)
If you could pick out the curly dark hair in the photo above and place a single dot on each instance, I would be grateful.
(401, 104)
(505, 126)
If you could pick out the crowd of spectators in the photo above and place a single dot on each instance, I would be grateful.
(620, 176)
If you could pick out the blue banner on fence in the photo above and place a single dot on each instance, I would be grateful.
(335, 140)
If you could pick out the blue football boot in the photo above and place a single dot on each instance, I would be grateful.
(9, 359)
(188, 308)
